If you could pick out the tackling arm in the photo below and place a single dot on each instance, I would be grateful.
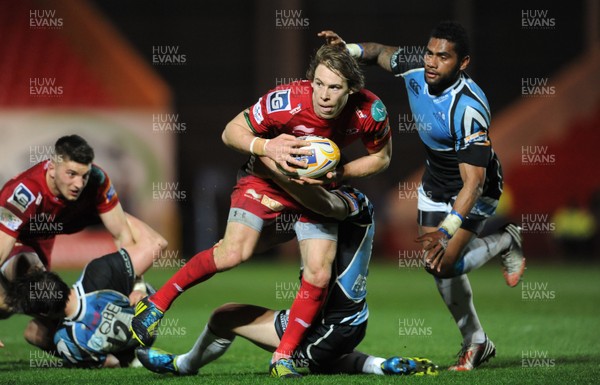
(116, 223)
(148, 245)
(314, 198)
(368, 52)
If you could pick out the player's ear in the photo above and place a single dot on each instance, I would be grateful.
(464, 63)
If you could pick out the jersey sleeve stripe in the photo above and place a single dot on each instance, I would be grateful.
(247, 117)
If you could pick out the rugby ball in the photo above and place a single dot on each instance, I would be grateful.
(324, 158)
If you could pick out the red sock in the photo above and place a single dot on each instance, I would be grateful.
(302, 314)
(198, 269)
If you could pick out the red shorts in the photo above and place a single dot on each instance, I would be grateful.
(268, 201)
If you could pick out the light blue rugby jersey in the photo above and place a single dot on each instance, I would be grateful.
(101, 326)
(453, 126)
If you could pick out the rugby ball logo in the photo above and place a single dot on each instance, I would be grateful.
(324, 158)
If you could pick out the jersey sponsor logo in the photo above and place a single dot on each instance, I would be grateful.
(257, 112)
(302, 130)
(113, 330)
(252, 194)
(378, 111)
(296, 109)
(278, 101)
(9, 220)
(360, 113)
(414, 87)
(271, 203)
(479, 138)
(21, 198)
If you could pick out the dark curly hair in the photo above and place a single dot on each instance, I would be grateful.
(39, 292)
(454, 33)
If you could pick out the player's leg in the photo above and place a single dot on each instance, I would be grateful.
(318, 243)
(361, 363)
(254, 323)
(458, 297)
(237, 246)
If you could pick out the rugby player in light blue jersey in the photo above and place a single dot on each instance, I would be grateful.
(462, 182)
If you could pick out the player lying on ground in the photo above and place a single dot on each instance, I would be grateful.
(27, 288)
(328, 347)
(462, 182)
(333, 104)
(98, 309)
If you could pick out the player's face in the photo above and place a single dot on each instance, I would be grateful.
(330, 93)
(68, 178)
(442, 66)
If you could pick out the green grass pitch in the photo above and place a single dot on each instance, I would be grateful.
(546, 330)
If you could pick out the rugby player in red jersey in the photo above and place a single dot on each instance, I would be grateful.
(61, 195)
(331, 103)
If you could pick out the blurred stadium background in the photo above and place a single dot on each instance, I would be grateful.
(151, 85)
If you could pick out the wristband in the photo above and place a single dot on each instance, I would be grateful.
(252, 145)
(458, 215)
(355, 50)
(451, 224)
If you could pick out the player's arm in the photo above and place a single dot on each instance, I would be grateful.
(239, 136)
(473, 178)
(374, 53)
(368, 165)
(375, 162)
(116, 223)
(7, 242)
(314, 198)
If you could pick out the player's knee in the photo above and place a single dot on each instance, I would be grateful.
(227, 257)
(318, 277)
(219, 322)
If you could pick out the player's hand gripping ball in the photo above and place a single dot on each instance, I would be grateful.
(324, 158)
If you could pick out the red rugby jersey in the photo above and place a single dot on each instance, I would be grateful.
(288, 109)
(32, 214)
